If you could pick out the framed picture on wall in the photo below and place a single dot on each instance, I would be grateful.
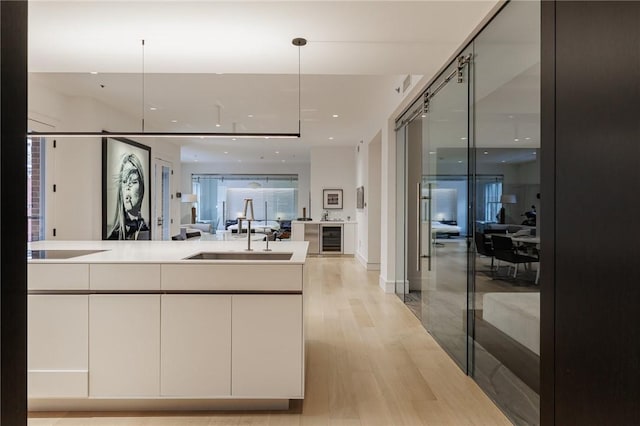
(332, 198)
(126, 190)
(360, 197)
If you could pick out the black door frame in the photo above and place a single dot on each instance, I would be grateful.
(13, 216)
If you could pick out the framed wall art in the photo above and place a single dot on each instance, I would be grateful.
(332, 198)
(360, 197)
(126, 190)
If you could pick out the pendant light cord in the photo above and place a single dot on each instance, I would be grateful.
(299, 42)
(143, 85)
(299, 94)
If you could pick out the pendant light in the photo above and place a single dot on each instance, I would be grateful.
(298, 42)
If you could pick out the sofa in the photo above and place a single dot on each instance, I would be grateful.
(193, 230)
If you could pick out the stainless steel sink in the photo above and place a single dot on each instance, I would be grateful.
(208, 255)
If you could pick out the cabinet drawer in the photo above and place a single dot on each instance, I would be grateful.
(57, 276)
(232, 277)
(58, 383)
(124, 277)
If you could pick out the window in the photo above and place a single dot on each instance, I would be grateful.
(492, 192)
(221, 197)
(35, 195)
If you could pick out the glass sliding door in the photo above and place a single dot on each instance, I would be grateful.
(507, 211)
(469, 210)
(401, 284)
(444, 211)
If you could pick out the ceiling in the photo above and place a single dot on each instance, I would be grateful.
(207, 62)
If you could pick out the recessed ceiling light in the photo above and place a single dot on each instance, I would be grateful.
(424, 115)
(94, 72)
(486, 152)
(534, 153)
(226, 152)
(527, 139)
(432, 152)
(335, 116)
(459, 161)
(250, 115)
(277, 152)
(174, 121)
(511, 116)
(266, 137)
(516, 140)
(153, 108)
(330, 138)
(503, 161)
(217, 124)
(233, 139)
(463, 139)
(284, 161)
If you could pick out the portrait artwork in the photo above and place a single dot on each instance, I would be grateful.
(126, 192)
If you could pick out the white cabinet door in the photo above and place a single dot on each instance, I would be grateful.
(297, 231)
(196, 346)
(124, 345)
(58, 333)
(349, 238)
(267, 345)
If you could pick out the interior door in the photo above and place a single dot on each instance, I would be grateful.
(442, 200)
(401, 284)
(162, 209)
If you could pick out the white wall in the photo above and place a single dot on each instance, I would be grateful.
(75, 165)
(373, 201)
(333, 168)
(368, 174)
(362, 175)
(300, 169)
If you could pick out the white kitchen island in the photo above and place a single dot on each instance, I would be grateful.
(137, 326)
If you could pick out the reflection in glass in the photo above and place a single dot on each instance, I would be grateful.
(445, 142)
(507, 211)
(468, 236)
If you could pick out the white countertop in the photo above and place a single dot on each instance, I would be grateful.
(167, 251)
(324, 222)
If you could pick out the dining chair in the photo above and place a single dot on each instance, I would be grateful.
(484, 247)
(503, 249)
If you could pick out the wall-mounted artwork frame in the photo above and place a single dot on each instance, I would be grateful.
(360, 197)
(126, 190)
(332, 198)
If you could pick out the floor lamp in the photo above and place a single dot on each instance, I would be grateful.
(506, 199)
(191, 198)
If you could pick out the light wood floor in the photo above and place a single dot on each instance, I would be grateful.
(369, 362)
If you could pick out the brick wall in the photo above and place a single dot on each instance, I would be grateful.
(34, 186)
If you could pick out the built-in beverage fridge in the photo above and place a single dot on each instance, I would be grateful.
(331, 239)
